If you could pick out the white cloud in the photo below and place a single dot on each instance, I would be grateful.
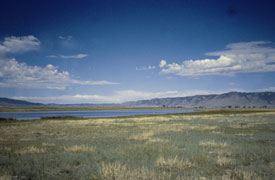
(66, 99)
(162, 63)
(14, 74)
(19, 44)
(67, 38)
(267, 89)
(77, 56)
(240, 57)
(144, 68)
(52, 56)
(117, 97)
(73, 81)
(20, 75)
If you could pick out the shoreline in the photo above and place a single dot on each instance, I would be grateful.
(194, 113)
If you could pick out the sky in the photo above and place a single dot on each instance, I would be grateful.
(112, 51)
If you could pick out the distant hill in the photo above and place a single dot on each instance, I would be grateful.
(240, 99)
(256, 99)
(16, 103)
(84, 105)
(6, 102)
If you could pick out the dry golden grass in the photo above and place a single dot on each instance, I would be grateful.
(79, 148)
(157, 140)
(240, 126)
(47, 144)
(243, 134)
(241, 173)
(225, 162)
(175, 163)
(7, 177)
(148, 136)
(202, 128)
(213, 144)
(142, 137)
(160, 129)
(224, 153)
(30, 150)
(272, 165)
(116, 171)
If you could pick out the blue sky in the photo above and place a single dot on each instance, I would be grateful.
(115, 51)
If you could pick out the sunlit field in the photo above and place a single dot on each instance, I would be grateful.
(199, 146)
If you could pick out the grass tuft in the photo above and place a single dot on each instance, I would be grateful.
(79, 148)
(225, 162)
(173, 164)
(30, 150)
(213, 144)
(116, 171)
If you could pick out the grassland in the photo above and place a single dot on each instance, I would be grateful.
(208, 145)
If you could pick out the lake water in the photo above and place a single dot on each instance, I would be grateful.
(85, 114)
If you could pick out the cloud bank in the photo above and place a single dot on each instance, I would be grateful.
(19, 44)
(19, 75)
(243, 57)
(14, 74)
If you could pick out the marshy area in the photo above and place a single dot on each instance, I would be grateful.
(207, 145)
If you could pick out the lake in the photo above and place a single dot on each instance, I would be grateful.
(86, 114)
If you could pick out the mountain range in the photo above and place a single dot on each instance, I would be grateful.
(231, 99)
(6, 102)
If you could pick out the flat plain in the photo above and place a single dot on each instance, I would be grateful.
(208, 145)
